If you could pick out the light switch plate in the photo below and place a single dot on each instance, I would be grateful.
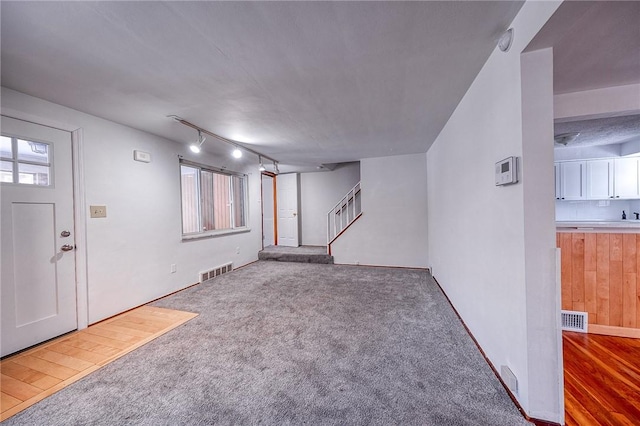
(98, 211)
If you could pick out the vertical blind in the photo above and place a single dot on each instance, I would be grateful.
(211, 200)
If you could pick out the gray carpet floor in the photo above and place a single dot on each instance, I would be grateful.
(294, 344)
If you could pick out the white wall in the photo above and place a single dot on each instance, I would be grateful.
(543, 295)
(597, 103)
(130, 252)
(392, 230)
(319, 192)
(479, 248)
(586, 152)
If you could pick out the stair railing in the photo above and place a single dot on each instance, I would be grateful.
(343, 214)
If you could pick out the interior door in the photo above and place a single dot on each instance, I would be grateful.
(36, 237)
(287, 189)
(268, 211)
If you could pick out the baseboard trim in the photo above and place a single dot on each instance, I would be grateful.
(610, 330)
(535, 421)
(415, 268)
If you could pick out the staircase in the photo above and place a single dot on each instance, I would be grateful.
(302, 254)
(339, 218)
(343, 214)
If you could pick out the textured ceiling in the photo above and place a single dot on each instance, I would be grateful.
(602, 131)
(304, 82)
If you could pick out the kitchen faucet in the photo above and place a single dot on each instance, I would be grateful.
(637, 215)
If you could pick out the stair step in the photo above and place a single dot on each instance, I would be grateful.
(294, 254)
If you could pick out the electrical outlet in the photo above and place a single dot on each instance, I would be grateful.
(173, 268)
(98, 211)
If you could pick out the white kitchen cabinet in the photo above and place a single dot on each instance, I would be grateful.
(573, 180)
(599, 179)
(556, 170)
(626, 178)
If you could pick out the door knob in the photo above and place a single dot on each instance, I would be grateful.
(67, 247)
(65, 234)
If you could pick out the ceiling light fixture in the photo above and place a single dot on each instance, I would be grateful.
(566, 138)
(238, 147)
(196, 147)
(506, 39)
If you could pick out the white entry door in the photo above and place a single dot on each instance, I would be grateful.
(287, 189)
(36, 235)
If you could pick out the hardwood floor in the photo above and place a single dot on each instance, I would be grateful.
(602, 379)
(32, 375)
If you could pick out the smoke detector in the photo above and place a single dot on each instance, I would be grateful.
(505, 41)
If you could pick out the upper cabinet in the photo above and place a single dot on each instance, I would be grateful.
(617, 178)
(573, 180)
(556, 169)
(627, 178)
(599, 179)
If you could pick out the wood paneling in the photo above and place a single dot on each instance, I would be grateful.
(600, 275)
(602, 380)
(565, 266)
(31, 376)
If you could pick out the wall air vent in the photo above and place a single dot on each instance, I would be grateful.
(574, 321)
(214, 272)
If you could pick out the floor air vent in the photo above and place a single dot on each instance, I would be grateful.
(574, 321)
(218, 270)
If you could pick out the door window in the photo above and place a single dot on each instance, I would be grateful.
(24, 161)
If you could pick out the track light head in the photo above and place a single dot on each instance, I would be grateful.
(196, 147)
(237, 153)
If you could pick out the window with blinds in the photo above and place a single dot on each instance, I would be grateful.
(212, 200)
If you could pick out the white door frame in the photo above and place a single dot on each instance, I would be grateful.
(274, 229)
(79, 210)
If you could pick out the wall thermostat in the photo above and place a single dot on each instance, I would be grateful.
(507, 171)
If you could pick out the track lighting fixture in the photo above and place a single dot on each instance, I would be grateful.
(275, 167)
(196, 147)
(238, 147)
(262, 168)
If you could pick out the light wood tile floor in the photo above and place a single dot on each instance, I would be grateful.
(32, 375)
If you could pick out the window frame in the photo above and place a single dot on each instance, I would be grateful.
(215, 232)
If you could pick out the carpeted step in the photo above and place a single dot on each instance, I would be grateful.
(296, 257)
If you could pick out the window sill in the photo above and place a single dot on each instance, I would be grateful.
(214, 234)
